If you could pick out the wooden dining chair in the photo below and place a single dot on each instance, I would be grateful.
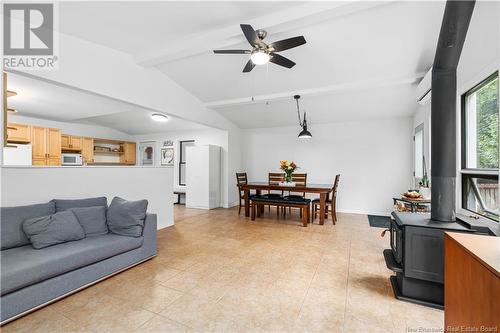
(274, 178)
(300, 179)
(331, 203)
(241, 179)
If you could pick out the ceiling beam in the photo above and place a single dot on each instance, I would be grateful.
(285, 20)
(353, 86)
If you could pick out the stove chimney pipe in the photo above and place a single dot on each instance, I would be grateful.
(456, 19)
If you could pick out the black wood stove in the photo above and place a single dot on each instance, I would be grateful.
(416, 257)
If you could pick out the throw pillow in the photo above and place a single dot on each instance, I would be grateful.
(50, 230)
(92, 219)
(126, 218)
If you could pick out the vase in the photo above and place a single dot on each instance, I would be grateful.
(288, 177)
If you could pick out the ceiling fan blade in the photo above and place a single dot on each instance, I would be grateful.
(249, 66)
(250, 34)
(232, 51)
(286, 44)
(282, 61)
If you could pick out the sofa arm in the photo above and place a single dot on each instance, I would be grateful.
(149, 233)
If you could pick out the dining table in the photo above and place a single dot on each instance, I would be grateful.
(258, 186)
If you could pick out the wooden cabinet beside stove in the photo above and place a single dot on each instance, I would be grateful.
(472, 283)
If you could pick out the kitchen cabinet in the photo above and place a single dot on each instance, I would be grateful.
(46, 146)
(129, 153)
(88, 150)
(71, 142)
(18, 133)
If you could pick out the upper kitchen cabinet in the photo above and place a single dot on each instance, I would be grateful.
(88, 150)
(71, 142)
(129, 156)
(46, 146)
(18, 133)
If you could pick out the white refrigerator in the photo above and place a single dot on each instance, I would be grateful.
(17, 154)
(203, 178)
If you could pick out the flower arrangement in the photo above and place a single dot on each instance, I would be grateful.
(288, 167)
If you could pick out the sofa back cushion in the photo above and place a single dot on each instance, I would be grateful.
(126, 218)
(12, 219)
(65, 204)
(92, 220)
(50, 230)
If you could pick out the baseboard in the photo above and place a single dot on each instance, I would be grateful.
(363, 212)
(231, 205)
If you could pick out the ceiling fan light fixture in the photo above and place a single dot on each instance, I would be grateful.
(160, 117)
(260, 57)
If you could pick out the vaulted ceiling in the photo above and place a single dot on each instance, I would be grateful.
(362, 59)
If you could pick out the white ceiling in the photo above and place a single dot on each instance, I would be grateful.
(44, 100)
(349, 44)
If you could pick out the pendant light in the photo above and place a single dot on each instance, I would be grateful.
(304, 134)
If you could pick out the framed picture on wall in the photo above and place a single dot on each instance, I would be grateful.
(167, 156)
(147, 153)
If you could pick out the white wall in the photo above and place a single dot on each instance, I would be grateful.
(29, 185)
(373, 158)
(94, 131)
(202, 137)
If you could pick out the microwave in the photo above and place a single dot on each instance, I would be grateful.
(71, 159)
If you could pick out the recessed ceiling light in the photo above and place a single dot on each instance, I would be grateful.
(159, 117)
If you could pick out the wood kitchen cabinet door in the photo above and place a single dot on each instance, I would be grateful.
(65, 141)
(38, 145)
(71, 142)
(76, 142)
(88, 150)
(129, 152)
(18, 133)
(53, 136)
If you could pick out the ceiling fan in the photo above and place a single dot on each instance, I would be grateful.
(262, 53)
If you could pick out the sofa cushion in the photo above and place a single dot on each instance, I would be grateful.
(12, 219)
(92, 219)
(53, 229)
(24, 266)
(125, 217)
(65, 204)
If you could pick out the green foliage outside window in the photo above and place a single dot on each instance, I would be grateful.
(487, 125)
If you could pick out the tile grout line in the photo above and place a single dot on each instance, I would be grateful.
(347, 286)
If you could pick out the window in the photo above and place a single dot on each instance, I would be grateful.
(182, 160)
(480, 148)
(418, 150)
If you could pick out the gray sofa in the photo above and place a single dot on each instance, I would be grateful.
(31, 278)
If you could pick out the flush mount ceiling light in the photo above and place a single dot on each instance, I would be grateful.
(304, 134)
(160, 117)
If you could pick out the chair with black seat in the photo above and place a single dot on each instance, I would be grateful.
(274, 178)
(300, 179)
(241, 179)
(331, 203)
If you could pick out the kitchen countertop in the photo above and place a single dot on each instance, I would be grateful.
(486, 249)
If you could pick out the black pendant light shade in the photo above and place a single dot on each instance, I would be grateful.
(304, 134)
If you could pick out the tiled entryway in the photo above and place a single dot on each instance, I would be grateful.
(217, 272)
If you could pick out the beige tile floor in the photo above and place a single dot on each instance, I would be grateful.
(217, 272)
